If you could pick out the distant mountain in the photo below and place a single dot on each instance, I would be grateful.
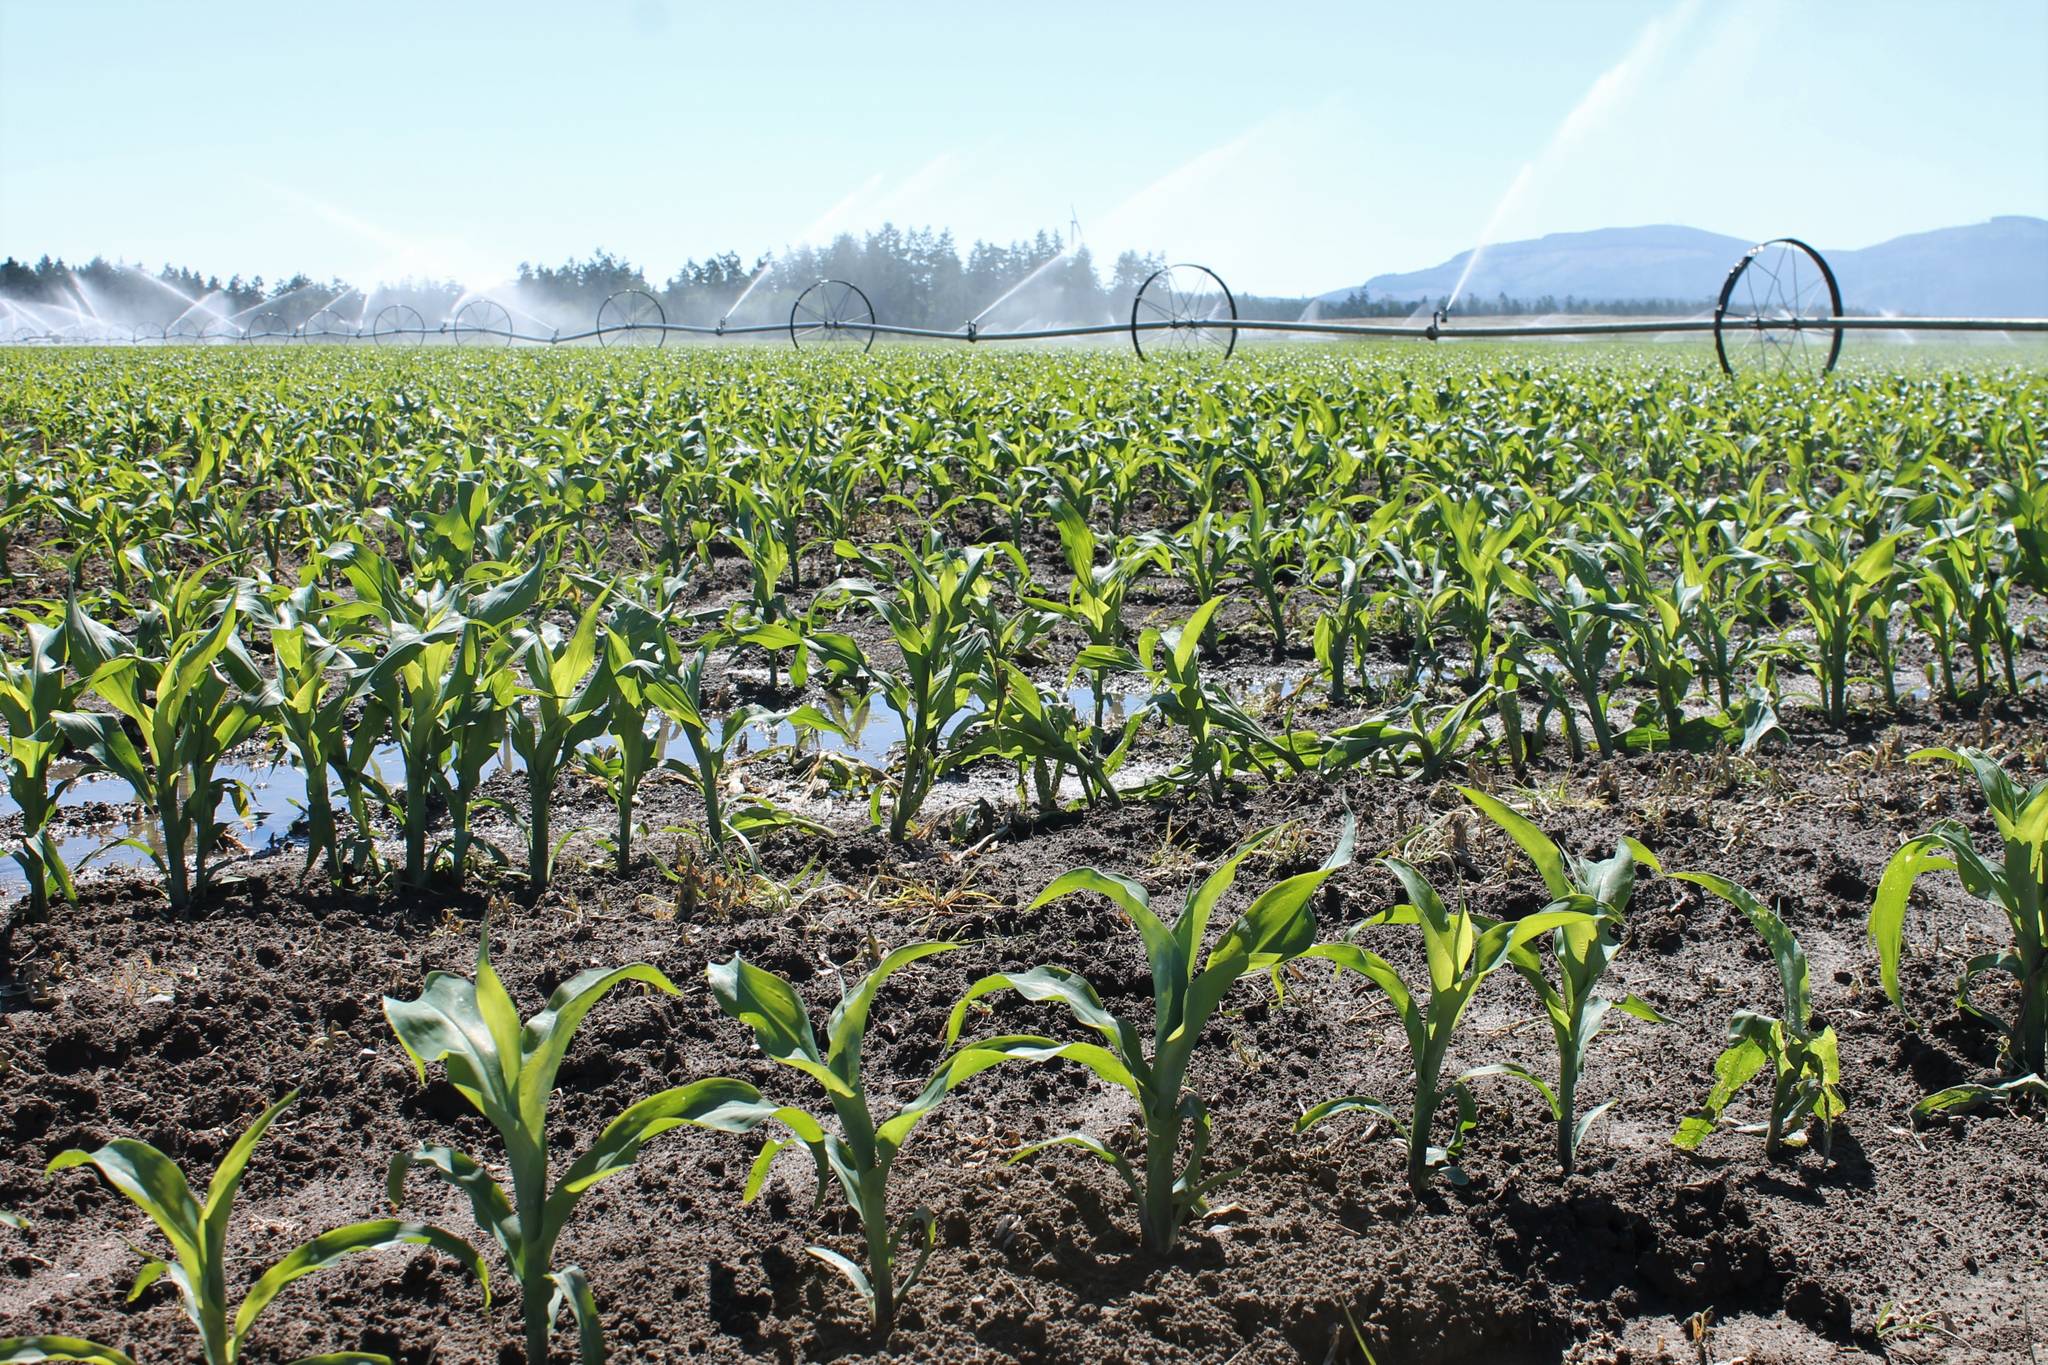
(1994, 269)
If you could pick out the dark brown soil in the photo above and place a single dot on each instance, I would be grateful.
(180, 1031)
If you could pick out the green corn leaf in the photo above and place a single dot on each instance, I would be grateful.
(1089, 1143)
(545, 1039)
(227, 1178)
(1347, 1104)
(767, 1004)
(30, 1350)
(855, 1276)
(1732, 1070)
(1969, 1096)
(487, 1201)
(1785, 949)
(1542, 851)
(848, 1023)
(572, 1290)
(329, 1248)
(156, 1186)
(1520, 1073)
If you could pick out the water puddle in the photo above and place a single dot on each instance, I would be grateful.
(101, 824)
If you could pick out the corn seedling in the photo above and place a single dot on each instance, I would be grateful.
(506, 1070)
(1279, 926)
(864, 1150)
(562, 710)
(198, 1235)
(1805, 1064)
(1583, 952)
(1463, 949)
(191, 706)
(33, 695)
(2017, 884)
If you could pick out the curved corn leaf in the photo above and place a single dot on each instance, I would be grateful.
(855, 1276)
(1733, 1069)
(156, 1186)
(572, 1290)
(848, 1024)
(487, 1202)
(1520, 1073)
(1090, 1144)
(767, 1004)
(330, 1247)
(1785, 950)
(29, 1350)
(719, 1103)
(1959, 1097)
(1347, 1104)
(1887, 922)
(545, 1039)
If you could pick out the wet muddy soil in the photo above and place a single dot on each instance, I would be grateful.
(1913, 1243)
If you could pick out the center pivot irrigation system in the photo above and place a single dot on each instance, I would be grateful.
(1779, 312)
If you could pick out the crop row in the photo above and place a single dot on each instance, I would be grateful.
(506, 1068)
(1484, 566)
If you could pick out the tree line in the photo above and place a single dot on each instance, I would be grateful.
(916, 277)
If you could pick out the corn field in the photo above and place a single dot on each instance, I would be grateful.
(1308, 849)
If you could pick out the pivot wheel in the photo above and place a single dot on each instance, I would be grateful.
(631, 317)
(832, 312)
(1774, 312)
(482, 322)
(1183, 310)
(398, 324)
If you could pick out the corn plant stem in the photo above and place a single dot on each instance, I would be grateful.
(871, 1204)
(1161, 1228)
(1781, 1096)
(540, 849)
(1420, 1123)
(1567, 1105)
(171, 812)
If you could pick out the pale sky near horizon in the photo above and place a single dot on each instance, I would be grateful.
(1296, 148)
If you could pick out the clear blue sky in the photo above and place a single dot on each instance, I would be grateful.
(1295, 147)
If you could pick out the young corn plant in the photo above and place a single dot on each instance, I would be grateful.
(198, 1234)
(1172, 1183)
(637, 656)
(1265, 549)
(1095, 600)
(506, 1070)
(1463, 949)
(1340, 554)
(862, 1152)
(308, 704)
(1046, 740)
(1805, 1064)
(1223, 738)
(680, 698)
(1585, 616)
(562, 708)
(1430, 738)
(1963, 579)
(444, 682)
(34, 693)
(2016, 884)
(1583, 951)
(1836, 587)
(191, 707)
(930, 616)
(1481, 551)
